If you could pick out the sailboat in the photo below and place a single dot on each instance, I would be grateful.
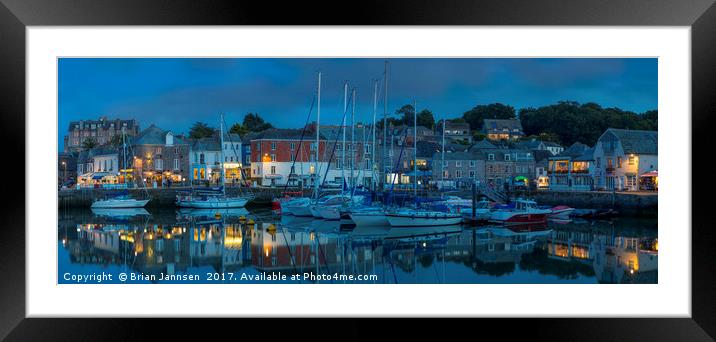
(121, 199)
(213, 198)
(419, 217)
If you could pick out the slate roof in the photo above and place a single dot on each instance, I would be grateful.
(481, 145)
(541, 155)
(587, 155)
(576, 150)
(499, 124)
(637, 141)
(426, 149)
(288, 133)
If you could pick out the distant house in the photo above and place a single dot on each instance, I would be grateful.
(572, 169)
(205, 158)
(456, 131)
(502, 129)
(538, 145)
(505, 166)
(623, 156)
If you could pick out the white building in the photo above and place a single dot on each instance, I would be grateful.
(621, 156)
(205, 158)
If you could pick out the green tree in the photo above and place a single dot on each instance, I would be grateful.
(426, 119)
(239, 129)
(115, 141)
(476, 116)
(567, 122)
(255, 123)
(406, 114)
(201, 130)
(89, 143)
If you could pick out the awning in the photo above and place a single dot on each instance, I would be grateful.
(100, 175)
(420, 173)
(654, 173)
(520, 178)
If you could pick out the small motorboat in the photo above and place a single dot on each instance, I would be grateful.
(560, 212)
(525, 211)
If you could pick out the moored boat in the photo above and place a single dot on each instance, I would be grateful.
(560, 212)
(422, 218)
(119, 201)
(525, 211)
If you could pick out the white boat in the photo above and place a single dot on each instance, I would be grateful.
(119, 202)
(369, 217)
(561, 212)
(422, 218)
(120, 212)
(483, 209)
(211, 202)
(525, 211)
(287, 206)
(330, 207)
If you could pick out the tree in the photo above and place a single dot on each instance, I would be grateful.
(476, 116)
(567, 122)
(89, 143)
(426, 119)
(239, 129)
(255, 123)
(406, 114)
(201, 130)
(115, 141)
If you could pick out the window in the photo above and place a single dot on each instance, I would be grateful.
(176, 164)
(507, 157)
(458, 174)
(273, 170)
(472, 163)
(446, 174)
(158, 164)
(293, 157)
(619, 162)
(339, 164)
(490, 156)
(367, 164)
(273, 146)
(273, 157)
(293, 146)
(472, 174)
(201, 158)
(458, 163)
(631, 159)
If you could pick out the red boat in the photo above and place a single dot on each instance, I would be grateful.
(525, 211)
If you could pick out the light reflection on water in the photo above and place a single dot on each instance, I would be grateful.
(202, 244)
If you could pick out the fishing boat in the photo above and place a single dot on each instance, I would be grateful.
(560, 212)
(525, 211)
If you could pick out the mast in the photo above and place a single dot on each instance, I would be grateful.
(221, 137)
(318, 128)
(343, 124)
(372, 153)
(353, 142)
(415, 148)
(385, 120)
(442, 164)
(124, 156)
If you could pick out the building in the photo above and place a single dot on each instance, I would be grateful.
(623, 156)
(98, 167)
(573, 169)
(66, 167)
(541, 168)
(205, 158)
(102, 131)
(502, 129)
(458, 169)
(246, 154)
(456, 131)
(281, 156)
(159, 157)
(508, 167)
(537, 145)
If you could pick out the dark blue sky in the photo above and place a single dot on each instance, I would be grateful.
(173, 93)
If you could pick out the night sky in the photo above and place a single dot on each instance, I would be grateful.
(174, 93)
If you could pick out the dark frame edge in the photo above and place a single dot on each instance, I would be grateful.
(703, 322)
(12, 130)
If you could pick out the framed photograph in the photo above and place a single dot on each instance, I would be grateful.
(477, 161)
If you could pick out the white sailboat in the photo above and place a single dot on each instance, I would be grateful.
(121, 200)
(213, 199)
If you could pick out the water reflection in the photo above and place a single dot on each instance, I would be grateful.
(253, 245)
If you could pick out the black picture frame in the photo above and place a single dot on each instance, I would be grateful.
(700, 15)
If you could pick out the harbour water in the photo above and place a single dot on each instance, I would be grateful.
(256, 246)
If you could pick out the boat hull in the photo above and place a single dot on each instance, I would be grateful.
(329, 213)
(214, 203)
(507, 217)
(418, 220)
(301, 210)
(369, 219)
(123, 203)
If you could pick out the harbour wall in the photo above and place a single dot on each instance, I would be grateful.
(629, 203)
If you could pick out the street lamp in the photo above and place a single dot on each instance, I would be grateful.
(64, 173)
